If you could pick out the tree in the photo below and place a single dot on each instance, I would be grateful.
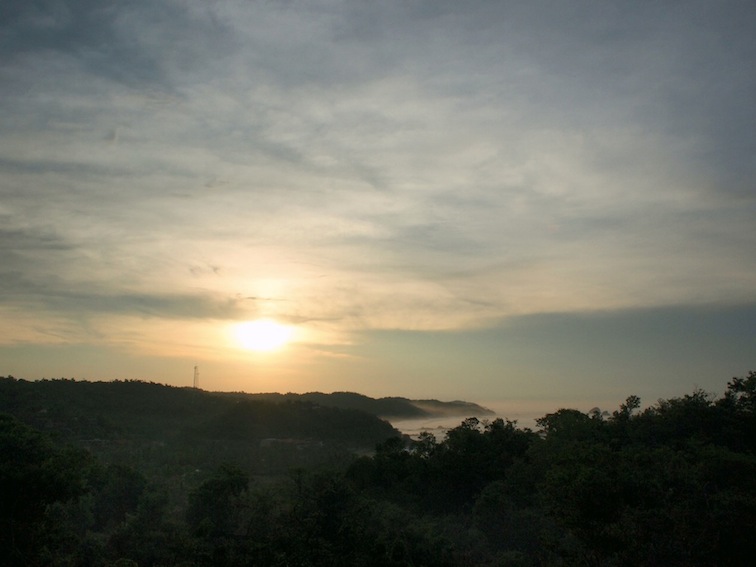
(34, 475)
(741, 393)
(215, 506)
(626, 410)
(117, 494)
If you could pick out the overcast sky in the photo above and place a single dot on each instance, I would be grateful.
(481, 200)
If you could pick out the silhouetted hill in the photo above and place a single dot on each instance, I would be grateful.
(160, 425)
(388, 408)
(154, 426)
(450, 409)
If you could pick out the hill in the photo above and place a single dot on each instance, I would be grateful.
(153, 426)
(386, 408)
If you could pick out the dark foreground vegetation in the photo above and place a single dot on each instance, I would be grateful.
(674, 484)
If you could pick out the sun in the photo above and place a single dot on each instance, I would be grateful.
(262, 335)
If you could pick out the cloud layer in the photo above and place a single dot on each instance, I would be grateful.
(361, 166)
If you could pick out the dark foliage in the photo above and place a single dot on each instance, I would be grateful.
(672, 484)
(34, 476)
(391, 407)
(166, 431)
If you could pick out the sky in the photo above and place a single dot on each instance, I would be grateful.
(488, 201)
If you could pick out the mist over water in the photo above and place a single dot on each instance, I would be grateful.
(438, 426)
(524, 412)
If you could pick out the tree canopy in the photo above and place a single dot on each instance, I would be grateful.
(670, 484)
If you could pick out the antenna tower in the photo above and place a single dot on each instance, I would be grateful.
(196, 376)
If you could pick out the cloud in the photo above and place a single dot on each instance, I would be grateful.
(83, 300)
(608, 355)
(125, 42)
(419, 165)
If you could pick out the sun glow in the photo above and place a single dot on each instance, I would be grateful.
(262, 335)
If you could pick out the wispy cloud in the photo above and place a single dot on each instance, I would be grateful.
(419, 165)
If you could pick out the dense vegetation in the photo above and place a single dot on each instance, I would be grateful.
(674, 484)
(392, 407)
(166, 431)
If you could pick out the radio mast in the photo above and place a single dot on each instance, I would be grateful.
(196, 376)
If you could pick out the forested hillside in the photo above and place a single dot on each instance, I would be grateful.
(391, 407)
(158, 429)
(673, 484)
